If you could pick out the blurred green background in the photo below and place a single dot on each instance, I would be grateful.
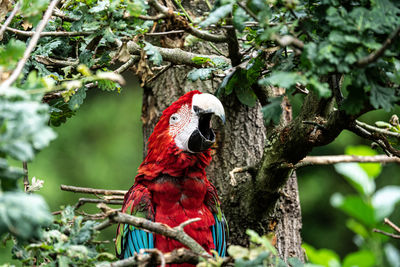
(101, 147)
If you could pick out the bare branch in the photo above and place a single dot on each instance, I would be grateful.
(378, 53)
(233, 45)
(386, 233)
(83, 201)
(88, 190)
(26, 179)
(9, 19)
(325, 160)
(156, 17)
(288, 40)
(377, 130)
(175, 233)
(391, 224)
(178, 256)
(127, 64)
(175, 55)
(250, 169)
(164, 33)
(57, 62)
(194, 31)
(31, 46)
(43, 34)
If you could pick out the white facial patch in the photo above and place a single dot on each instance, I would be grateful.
(181, 125)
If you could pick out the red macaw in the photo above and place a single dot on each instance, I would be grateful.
(171, 185)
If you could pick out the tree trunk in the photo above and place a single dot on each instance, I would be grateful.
(240, 142)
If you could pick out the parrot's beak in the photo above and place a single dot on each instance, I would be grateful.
(205, 105)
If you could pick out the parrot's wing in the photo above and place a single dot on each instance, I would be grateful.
(219, 232)
(129, 238)
(220, 228)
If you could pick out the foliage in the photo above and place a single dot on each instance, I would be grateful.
(69, 241)
(261, 253)
(365, 210)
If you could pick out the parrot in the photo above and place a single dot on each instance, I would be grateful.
(171, 186)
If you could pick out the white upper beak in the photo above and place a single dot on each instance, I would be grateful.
(210, 104)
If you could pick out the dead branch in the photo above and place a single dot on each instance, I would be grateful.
(43, 34)
(250, 169)
(325, 160)
(175, 55)
(32, 44)
(386, 233)
(164, 33)
(378, 53)
(177, 256)
(194, 31)
(176, 233)
(9, 19)
(88, 190)
(127, 64)
(391, 224)
(83, 201)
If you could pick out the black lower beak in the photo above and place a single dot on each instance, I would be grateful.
(203, 137)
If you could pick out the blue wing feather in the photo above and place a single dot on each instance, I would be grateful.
(219, 235)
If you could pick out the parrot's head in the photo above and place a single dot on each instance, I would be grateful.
(183, 136)
(187, 122)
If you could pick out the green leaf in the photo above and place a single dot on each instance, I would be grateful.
(239, 18)
(9, 176)
(11, 53)
(23, 215)
(25, 123)
(136, 7)
(363, 258)
(246, 96)
(153, 53)
(356, 207)
(76, 99)
(382, 97)
(372, 169)
(219, 13)
(357, 228)
(323, 257)
(272, 111)
(202, 74)
(283, 79)
(357, 177)
(101, 6)
(201, 60)
(384, 201)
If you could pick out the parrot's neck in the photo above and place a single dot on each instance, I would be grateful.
(174, 162)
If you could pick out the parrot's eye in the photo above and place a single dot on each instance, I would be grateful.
(174, 118)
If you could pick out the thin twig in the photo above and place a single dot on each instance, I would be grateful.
(9, 19)
(43, 34)
(378, 53)
(391, 224)
(194, 31)
(248, 11)
(26, 179)
(164, 33)
(175, 233)
(159, 73)
(89, 190)
(386, 233)
(83, 201)
(156, 17)
(127, 64)
(326, 160)
(250, 169)
(32, 44)
(377, 130)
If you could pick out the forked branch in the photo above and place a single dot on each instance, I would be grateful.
(176, 233)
